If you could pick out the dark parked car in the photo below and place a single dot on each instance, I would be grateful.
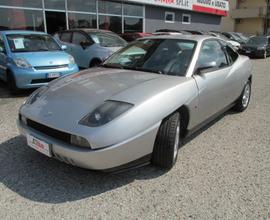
(257, 47)
(129, 37)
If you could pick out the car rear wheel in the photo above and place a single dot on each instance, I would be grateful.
(243, 102)
(11, 81)
(167, 142)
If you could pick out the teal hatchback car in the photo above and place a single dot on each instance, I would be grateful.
(32, 59)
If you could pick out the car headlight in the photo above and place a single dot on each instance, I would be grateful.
(35, 95)
(261, 48)
(105, 113)
(71, 59)
(22, 63)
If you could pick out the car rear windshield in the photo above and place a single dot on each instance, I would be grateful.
(257, 41)
(107, 39)
(31, 43)
(164, 56)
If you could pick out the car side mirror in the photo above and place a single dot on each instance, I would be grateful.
(206, 66)
(85, 44)
(63, 47)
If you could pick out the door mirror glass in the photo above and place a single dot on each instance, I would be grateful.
(2, 50)
(206, 66)
(85, 44)
(63, 47)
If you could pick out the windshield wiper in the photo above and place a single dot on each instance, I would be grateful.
(148, 70)
(42, 49)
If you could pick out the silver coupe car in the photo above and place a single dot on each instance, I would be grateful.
(139, 105)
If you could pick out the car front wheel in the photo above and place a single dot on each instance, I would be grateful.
(167, 142)
(11, 81)
(243, 102)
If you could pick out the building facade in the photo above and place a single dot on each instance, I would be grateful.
(118, 16)
(248, 16)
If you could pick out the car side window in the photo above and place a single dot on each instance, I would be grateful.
(232, 55)
(212, 51)
(78, 38)
(65, 37)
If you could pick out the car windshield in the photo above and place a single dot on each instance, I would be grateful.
(31, 43)
(107, 39)
(163, 56)
(257, 41)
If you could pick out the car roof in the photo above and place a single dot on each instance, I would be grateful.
(88, 30)
(197, 38)
(21, 32)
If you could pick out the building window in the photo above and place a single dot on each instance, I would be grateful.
(133, 10)
(82, 5)
(22, 3)
(21, 19)
(77, 20)
(133, 25)
(106, 7)
(169, 17)
(186, 19)
(116, 16)
(55, 4)
(112, 23)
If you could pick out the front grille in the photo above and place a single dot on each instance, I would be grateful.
(49, 131)
(36, 81)
(50, 67)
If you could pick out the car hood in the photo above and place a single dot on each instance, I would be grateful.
(76, 95)
(44, 58)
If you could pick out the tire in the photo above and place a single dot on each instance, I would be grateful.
(95, 63)
(11, 81)
(243, 102)
(167, 142)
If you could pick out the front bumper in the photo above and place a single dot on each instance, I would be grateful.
(32, 78)
(109, 158)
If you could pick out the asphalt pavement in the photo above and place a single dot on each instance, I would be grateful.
(223, 172)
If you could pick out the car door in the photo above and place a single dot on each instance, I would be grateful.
(3, 58)
(80, 52)
(213, 83)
